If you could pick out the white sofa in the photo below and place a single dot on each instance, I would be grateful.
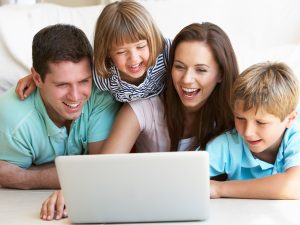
(259, 29)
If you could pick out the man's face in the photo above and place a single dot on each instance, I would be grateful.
(66, 88)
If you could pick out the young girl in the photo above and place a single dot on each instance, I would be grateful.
(130, 54)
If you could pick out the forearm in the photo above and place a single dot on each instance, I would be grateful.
(36, 177)
(279, 186)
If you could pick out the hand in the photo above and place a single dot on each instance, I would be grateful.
(54, 207)
(25, 87)
(214, 189)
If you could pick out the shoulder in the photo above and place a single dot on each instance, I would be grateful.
(14, 111)
(225, 142)
(101, 99)
(153, 104)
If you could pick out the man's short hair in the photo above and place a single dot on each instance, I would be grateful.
(56, 43)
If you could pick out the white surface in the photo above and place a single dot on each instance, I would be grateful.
(174, 186)
(23, 207)
(259, 30)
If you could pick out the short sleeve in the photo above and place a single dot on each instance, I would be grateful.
(102, 113)
(291, 147)
(218, 155)
(15, 151)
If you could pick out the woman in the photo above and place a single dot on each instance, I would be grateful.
(193, 109)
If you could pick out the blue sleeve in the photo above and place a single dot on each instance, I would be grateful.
(291, 146)
(103, 110)
(218, 151)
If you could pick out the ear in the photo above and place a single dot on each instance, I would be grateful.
(291, 118)
(36, 77)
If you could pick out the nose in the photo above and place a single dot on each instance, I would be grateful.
(249, 129)
(188, 76)
(134, 55)
(74, 93)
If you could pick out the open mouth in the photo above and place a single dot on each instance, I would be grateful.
(72, 105)
(136, 68)
(190, 92)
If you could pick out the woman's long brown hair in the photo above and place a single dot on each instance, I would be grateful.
(215, 116)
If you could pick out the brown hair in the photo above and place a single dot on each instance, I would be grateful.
(215, 116)
(272, 87)
(56, 43)
(123, 21)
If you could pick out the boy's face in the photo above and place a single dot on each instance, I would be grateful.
(261, 131)
(66, 89)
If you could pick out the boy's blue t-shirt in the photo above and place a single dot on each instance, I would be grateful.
(229, 154)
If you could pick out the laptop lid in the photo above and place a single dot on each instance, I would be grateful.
(136, 187)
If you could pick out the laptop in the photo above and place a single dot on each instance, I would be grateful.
(135, 187)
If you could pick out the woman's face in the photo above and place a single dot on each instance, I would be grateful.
(195, 73)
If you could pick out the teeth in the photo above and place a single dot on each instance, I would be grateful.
(72, 105)
(135, 66)
(189, 89)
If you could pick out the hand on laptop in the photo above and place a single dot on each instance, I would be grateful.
(54, 207)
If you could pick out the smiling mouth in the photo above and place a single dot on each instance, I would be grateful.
(254, 142)
(72, 105)
(190, 92)
(136, 68)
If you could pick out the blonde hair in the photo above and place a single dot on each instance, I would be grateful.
(124, 21)
(271, 87)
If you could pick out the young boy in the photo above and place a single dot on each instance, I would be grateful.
(262, 155)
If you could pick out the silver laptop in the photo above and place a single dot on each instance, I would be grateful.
(136, 187)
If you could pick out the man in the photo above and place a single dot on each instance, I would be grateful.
(65, 115)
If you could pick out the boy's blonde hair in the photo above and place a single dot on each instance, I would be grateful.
(124, 21)
(271, 87)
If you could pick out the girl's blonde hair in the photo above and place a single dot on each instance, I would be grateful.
(120, 22)
(271, 87)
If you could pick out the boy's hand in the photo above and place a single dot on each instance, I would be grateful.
(215, 189)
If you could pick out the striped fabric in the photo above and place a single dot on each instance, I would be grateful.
(153, 84)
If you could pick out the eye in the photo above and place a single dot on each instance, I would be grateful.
(240, 118)
(86, 81)
(260, 122)
(178, 67)
(120, 52)
(61, 85)
(141, 46)
(199, 70)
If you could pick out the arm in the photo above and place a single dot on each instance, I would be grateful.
(279, 186)
(54, 206)
(36, 177)
(124, 133)
(25, 87)
(95, 147)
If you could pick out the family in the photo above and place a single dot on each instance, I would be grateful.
(139, 91)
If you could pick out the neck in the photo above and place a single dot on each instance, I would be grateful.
(189, 124)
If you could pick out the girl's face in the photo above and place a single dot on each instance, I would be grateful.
(195, 73)
(131, 59)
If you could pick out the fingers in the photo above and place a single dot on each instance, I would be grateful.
(25, 86)
(53, 207)
(60, 207)
(30, 88)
